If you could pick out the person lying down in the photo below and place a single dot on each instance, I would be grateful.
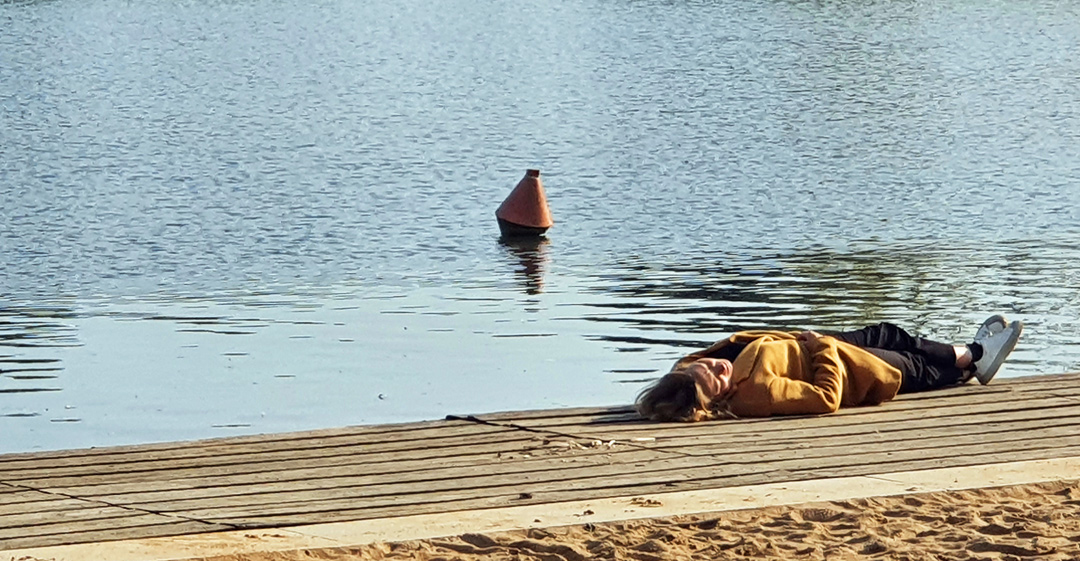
(764, 373)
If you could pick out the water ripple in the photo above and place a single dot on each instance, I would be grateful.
(288, 202)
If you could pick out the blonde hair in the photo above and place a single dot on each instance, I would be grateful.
(677, 397)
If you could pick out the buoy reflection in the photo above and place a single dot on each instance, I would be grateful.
(532, 257)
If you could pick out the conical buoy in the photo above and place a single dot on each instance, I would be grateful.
(525, 212)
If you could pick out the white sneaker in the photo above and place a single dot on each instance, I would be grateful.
(993, 324)
(996, 349)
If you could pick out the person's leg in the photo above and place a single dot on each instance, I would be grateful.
(910, 370)
(925, 364)
(893, 338)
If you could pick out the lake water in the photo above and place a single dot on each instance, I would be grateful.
(230, 217)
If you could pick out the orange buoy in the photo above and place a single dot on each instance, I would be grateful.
(525, 211)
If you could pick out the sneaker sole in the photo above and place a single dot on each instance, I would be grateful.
(1006, 350)
(990, 327)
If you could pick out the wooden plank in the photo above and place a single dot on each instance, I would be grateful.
(662, 471)
(963, 396)
(881, 415)
(53, 504)
(625, 486)
(1001, 386)
(433, 454)
(603, 414)
(198, 451)
(967, 427)
(1019, 383)
(368, 472)
(409, 493)
(863, 415)
(33, 521)
(431, 447)
(237, 486)
(788, 435)
(553, 417)
(666, 443)
(981, 429)
(24, 496)
(1039, 379)
(77, 536)
(1042, 380)
(794, 432)
(1018, 454)
(258, 439)
(974, 396)
(536, 414)
(865, 449)
(423, 433)
(321, 470)
(673, 469)
(469, 502)
(132, 520)
(415, 482)
(971, 395)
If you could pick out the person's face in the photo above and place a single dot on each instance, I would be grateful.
(713, 376)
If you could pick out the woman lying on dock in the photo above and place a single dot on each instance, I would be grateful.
(763, 373)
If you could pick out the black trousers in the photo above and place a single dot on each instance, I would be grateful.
(925, 364)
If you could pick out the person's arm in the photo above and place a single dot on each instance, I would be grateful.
(823, 393)
(725, 348)
(732, 346)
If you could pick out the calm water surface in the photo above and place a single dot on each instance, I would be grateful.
(231, 217)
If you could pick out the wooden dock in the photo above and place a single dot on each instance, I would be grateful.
(466, 463)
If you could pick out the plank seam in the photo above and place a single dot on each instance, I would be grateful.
(219, 443)
(885, 434)
(1069, 397)
(613, 490)
(673, 451)
(840, 420)
(130, 508)
(816, 451)
(256, 458)
(842, 424)
(558, 434)
(424, 526)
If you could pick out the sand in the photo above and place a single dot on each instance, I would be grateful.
(1022, 522)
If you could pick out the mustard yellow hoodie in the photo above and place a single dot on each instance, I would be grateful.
(776, 375)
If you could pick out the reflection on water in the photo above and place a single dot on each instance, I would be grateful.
(531, 254)
(935, 291)
(916, 286)
(160, 370)
(30, 333)
(36, 326)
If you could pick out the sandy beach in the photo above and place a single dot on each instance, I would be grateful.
(1040, 521)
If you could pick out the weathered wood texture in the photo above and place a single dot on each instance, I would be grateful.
(505, 459)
